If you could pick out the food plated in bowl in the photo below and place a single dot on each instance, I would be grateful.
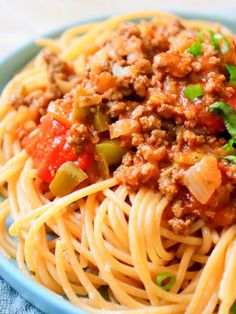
(118, 166)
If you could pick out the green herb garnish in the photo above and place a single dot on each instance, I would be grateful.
(219, 41)
(232, 73)
(166, 281)
(223, 109)
(231, 158)
(195, 49)
(229, 147)
(193, 91)
(222, 43)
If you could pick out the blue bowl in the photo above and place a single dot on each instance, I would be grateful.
(42, 298)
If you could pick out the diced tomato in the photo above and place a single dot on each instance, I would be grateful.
(49, 149)
(85, 160)
(213, 123)
(232, 102)
(61, 110)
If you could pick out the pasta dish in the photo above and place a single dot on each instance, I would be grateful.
(118, 166)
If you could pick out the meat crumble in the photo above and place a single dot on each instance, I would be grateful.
(147, 89)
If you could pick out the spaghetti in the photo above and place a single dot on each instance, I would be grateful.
(108, 246)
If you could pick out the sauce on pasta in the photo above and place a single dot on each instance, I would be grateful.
(118, 166)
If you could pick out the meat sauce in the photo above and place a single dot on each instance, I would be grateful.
(147, 94)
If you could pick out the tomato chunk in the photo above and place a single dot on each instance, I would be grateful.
(213, 123)
(49, 149)
(232, 102)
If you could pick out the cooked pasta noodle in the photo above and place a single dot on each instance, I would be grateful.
(104, 234)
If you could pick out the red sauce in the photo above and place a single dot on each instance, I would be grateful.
(49, 149)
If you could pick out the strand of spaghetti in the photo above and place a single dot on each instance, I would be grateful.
(12, 166)
(45, 276)
(50, 282)
(77, 289)
(212, 303)
(49, 43)
(117, 201)
(109, 24)
(206, 241)
(200, 258)
(192, 285)
(63, 277)
(150, 228)
(210, 289)
(161, 252)
(215, 236)
(48, 210)
(179, 238)
(180, 251)
(227, 292)
(69, 34)
(137, 241)
(54, 208)
(5, 211)
(124, 279)
(4, 252)
(84, 242)
(7, 146)
(24, 204)
(13, 198)
(13, 85)
(97, 281)
(118, 224)
(20, 256)
(123, 268)
(34, 82)
(127, 259)
(134, 291)
(82, 236)
(166, 309)
(197, 225)
(2, 158)
(5, 122)
(27, 185)
(93, 294)
(5, 245)
(17, 147)
(213, 264)
(184, 264)
(135, 252)
(6, 241)
(104, 260)
(111, 237)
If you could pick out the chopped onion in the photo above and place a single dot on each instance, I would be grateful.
(123, 127)
(120, 71)
(64, 86)
(203, 179)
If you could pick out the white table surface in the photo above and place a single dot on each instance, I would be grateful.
(21, 20)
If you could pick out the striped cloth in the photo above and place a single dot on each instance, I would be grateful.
(12, 303)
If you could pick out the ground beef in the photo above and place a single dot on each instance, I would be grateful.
(168, 181)
(81, 134)
(138, 173)
(174, 63)
(140, 75)
(180, 225)
(231, 173)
